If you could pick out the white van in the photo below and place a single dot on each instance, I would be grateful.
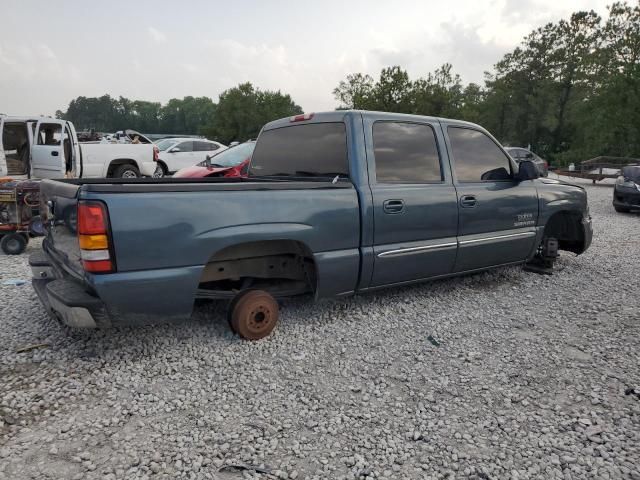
(43, 147)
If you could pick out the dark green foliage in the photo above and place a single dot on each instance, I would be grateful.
(242, 111)
(239, 115)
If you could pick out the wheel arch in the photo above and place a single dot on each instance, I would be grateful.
(280, 266)
(114, 164)
(566, 226)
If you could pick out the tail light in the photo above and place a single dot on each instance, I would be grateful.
(156, 153)
(93, 237)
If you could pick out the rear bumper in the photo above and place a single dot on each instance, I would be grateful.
(65, 299)
(125, 298)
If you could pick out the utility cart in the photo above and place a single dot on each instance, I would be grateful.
(19, 214)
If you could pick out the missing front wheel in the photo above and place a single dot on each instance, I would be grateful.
(545, 257)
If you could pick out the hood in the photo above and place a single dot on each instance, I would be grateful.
(199, 171)
(554, 181)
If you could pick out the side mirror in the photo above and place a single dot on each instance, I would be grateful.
(207, 161)
(529, 155)
(527, 170)
(174, 150)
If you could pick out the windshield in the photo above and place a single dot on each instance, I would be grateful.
(233, 156)
(632, 173)
(166, 144)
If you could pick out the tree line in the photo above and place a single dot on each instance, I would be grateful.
(239, 114)
(570, 91)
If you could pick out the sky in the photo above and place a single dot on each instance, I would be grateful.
(52, 52)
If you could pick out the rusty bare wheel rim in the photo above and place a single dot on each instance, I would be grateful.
(254, 315)
(260, 318)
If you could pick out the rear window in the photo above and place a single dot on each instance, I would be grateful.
(317, 150)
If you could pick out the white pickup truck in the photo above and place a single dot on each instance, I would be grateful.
(43, 147)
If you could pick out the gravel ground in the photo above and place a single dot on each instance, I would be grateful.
(498, 375)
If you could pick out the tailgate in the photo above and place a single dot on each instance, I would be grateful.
(58, 202)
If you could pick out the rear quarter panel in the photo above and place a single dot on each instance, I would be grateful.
(163, 240)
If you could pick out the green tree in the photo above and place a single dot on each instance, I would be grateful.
(243, 110)
(356, 92)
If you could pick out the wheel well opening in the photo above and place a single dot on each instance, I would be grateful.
(566, 227)
(120, 161)
(281, 267)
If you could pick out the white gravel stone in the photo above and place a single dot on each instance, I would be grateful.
(528, 381)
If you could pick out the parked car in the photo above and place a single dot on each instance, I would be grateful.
(177, 153)
(43, 147)
(519, 154)
(626, 191)
(336, 203)
(233, 162)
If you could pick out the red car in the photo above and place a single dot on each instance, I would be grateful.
(233, 162)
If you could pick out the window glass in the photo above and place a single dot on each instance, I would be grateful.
(317, 149)
(233, 156)
(185, 146)
(166, 144)
(476, 157)
(50, 134)
(405, 152)
(204, 146)
(513, 153)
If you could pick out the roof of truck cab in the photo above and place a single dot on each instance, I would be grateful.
(340, 115)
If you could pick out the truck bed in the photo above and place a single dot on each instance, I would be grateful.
(164, 232)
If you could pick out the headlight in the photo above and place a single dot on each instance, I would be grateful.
(623, 182)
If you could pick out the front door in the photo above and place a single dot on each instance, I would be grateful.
(498, 214)
(47, 152)
(71, 150)
(414, 201)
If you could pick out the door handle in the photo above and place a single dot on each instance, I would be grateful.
(54, 153)
(393, 206)
(468, 201)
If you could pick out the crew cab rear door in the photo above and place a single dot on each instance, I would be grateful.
(47, 152)
(498, 213)
(414, 200)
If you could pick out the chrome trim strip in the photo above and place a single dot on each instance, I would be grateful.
(412, 250)
(497, 237)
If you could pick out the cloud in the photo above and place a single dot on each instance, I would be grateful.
(390, 57)
(470, 54)
(156, 35)
(34, 79)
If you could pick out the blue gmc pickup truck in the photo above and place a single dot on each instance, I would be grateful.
(335, 204)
